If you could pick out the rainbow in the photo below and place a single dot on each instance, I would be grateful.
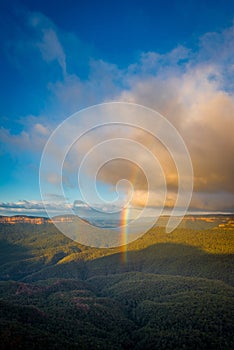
(124, 234)
(124, 223)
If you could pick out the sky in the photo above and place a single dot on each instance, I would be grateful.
(176, 57)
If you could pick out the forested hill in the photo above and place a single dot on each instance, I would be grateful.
(166, 291)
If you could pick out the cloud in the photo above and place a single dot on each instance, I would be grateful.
(22, 205)
(55, 197)
(213, 201)
(193, 89)
(104, 82)
(41, 129)
(151, 64)
(31, 139)
(33, 207)
(48, 41)
(203, 114)
(57, 206)
(216, 48)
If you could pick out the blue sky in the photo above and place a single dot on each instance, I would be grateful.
(174, 56)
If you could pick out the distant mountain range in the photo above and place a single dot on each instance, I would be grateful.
(189, 221)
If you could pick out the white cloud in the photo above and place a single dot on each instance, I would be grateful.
(31, 139)
(48, 41)
(103, 83)
(33, 207)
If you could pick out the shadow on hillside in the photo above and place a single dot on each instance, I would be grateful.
(10, 252)
(16, 261)
(167, 259)
(163, 258)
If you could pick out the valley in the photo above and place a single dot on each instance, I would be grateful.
(166, 291)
